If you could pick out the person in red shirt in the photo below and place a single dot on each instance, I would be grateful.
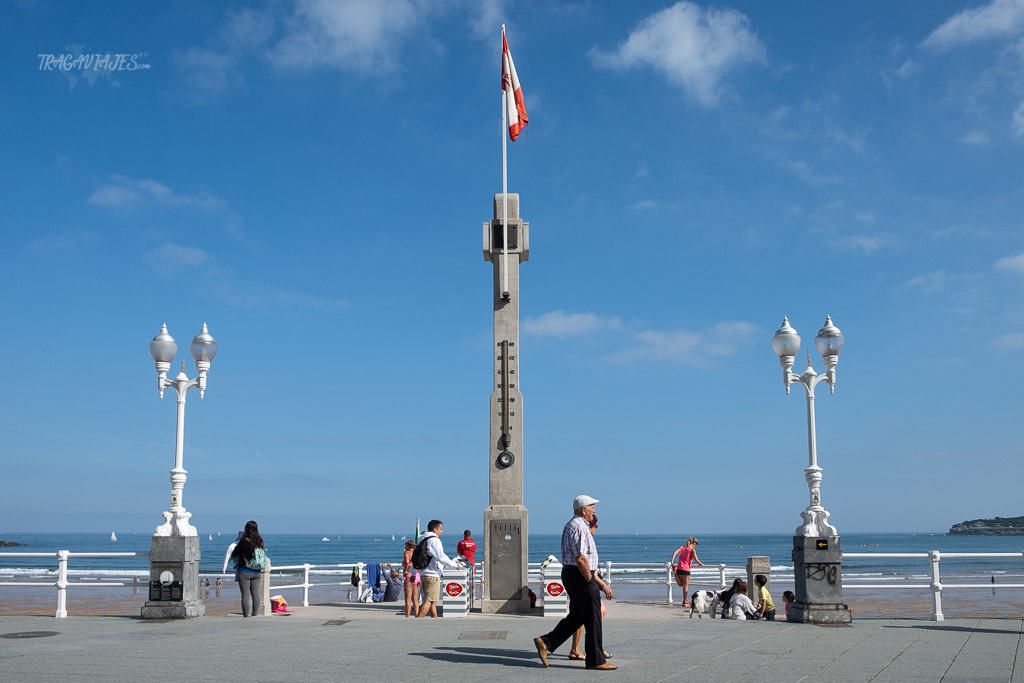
(467, 546)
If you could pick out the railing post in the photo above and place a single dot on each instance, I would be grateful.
(669, 580)
(758, 564)
(933, 557)
(608, 572)
(62, 584)
(265, 610)
(721, 577)
(305, 585)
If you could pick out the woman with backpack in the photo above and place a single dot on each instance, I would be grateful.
(250, 559)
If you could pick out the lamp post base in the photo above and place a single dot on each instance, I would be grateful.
(174, 579)
(817, 569)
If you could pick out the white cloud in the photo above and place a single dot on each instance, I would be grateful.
(645, 205)
(1011, 341)
(123, 191)
(204, 70)
(62, 240)
(488, 18)
(960, 231)
(929, 283)
(803, 170)
(1013, 264)
(906, 69)
(360, 36)
(1018, 120)
(866, 244)
(996, 19)
(560, 324)
(692, 347)
(693, 47)
(976, 137)
(247, 28)
(172, 257)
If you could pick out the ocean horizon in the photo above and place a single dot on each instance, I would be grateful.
(714, 549)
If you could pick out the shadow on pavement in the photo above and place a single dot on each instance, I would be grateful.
(482, 655)
(936, 627)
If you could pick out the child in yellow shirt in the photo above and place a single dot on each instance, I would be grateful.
(765, 605)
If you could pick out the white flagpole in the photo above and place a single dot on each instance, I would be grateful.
(504, 166)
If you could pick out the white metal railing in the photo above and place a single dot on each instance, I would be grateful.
(936, 586)
(609, 569)
(62, 584)
(306, 585)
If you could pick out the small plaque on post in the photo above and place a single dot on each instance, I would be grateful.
(165, 592)
(822, 544)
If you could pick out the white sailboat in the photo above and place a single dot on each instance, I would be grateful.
(113, 536)
(392, 537)
(211, 537)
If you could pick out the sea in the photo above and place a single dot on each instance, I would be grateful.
(622, 550)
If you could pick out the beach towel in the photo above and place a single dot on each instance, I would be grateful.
(373, 574)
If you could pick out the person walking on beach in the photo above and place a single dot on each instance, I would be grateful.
(687, 554)
(431, 576)
(410, 580)
(584, 586)
(250, 557)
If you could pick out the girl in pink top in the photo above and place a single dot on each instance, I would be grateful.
(687, 554)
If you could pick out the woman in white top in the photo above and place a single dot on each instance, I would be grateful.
(740, 605)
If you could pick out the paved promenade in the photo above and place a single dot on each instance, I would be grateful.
(649, 642)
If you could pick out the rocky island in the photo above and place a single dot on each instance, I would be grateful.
(9, 544)
(996, 526)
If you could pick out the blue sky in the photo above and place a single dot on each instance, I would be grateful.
(309, 178)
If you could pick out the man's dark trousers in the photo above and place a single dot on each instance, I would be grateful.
(584, 610)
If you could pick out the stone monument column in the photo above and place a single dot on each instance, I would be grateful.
(506, 582)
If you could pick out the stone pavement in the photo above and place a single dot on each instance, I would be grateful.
(649, 642)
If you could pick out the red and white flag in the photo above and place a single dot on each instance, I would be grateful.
(514, 104)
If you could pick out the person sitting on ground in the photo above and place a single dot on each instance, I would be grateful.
(740, 605)
(394, 584)
(765, 604)
(787, 599)
(725, 597)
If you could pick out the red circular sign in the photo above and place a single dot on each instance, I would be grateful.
(555, 589)
(453, 589)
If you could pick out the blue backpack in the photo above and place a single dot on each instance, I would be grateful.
(258, 561)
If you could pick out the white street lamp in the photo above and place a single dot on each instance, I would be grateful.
(164, 349)
(786, 344)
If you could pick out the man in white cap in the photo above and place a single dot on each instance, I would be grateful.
(584, 586)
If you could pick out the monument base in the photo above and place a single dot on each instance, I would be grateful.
(817, 569)
(174, 579)
(506, 581)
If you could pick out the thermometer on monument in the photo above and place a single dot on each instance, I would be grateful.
(505, 458)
